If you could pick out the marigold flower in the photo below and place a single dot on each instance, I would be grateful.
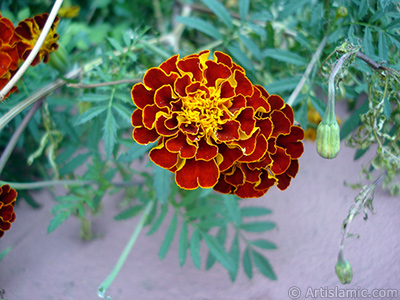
(7, 202)
(214, 127)
(28, 31)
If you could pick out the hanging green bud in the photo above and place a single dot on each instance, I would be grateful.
(59, 59)
(341, 12)
(328, 138)
(344, 271)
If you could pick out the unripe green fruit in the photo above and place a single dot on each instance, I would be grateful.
(328, 139)
(344, 271)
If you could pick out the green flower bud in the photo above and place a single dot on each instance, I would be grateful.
(59, 59)
(328, 139)
(344, 271)
(341, 12)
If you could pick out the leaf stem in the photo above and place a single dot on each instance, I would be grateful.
(110, 278)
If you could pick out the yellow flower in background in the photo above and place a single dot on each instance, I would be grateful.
(69, 11)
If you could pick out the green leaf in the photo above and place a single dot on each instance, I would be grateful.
(110, 133)
(115, 44)
(286, 56)
(220, 11)
(318, 104)
(254, 211)
(360, 152)
(282, 85)
(263, 265)
(160, 219)
(199, 211)
(367, 42)
(353, 121)
(5, 252)
(201, 25)
(93, 97)
(251, 46)
(57, 220)
(169, 236)
(258, 226)
(362, 9)
(232, 206)
(387, 108)
(292, 7)
(392, 25)
(123, 112)
(244, 9)
(161, 183)
(241, 57)
(383, 47)
(183, 243)
(70, 166)
(221, 238)
(235, 254)
(247, 264)
(90, 114)
(134, 152)
(264, 244)
(195, 248)
(219, 252)
(129, 213)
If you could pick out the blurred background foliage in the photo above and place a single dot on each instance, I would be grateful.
(83, 132)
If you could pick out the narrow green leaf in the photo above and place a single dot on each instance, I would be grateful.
(367, 42)
(162, 183)
(383, 47)
(212, 222)
(251, 46)
(70, 166)
(387, 108)
(362, 9)
(285, 56)
(123, 112)
(183, 243)
(199, 211)
(110, 133)
(160, 220)
(247, 264)
(395, 24)
(241, 57)
(169, 236)
(318, 104)
(264, 244)
(254, 211)
(235, 254)
(353, 121)
(220, 11)
(282, 85)
(134, 152)
(57, 220)
(93, 97)
(359, 153)
(258, 226)
(292, 7)
(263, 265)
(129, 213)
(232, 206)
(218, 251)
(221, 238)
(115, 44)
(5, 252)
(201, 25)
(195, 248)
(244, 9)
(90, 114)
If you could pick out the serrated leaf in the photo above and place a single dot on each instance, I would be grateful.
(90, 114)
(161, 183)
(220, 11)
(235, 254)
(264, 244)
(201, 25)
(93, 97)
(244, 9)
(241, 57)
(134, 152)
(247, 263)
(183, 243)
(129, 213)
(258, 226)
(263, 265)
(110, 133)
(353, 121)
(362, 9)
(254, 211)
(395, 24)
(159, 221)
(115, 44)
(292, 7)
(221, 238)
(282, 85)
(195, 248)
(57, 220)
(383, 47)
(367, 42)
(70, 166)
(123, 112)
(285, 56)
(251, 46)
(169, 237)
(218, 251)
(232, 206)
(199, 211)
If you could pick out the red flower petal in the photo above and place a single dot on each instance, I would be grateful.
(205, 151)
(259, 151)
(191, 66)
(162, 129)
(164, 96)
(156, 78)
(144, 136)
(141, 96)
(163, 158)
(288, 111)
(238, 102)
(223, 58)
(230, 155)
(263, 91)
(137, 118)
(252, 176)
(222, 186)
(229, 131)
(245, 118)
(189, 128)
(248, 146)
(197, 173)
(276, 102)
(248, 190)
(227, 90)
(236, 178)
(292, 142)
(181, 84)
(5, 62)
(281, 161)
(150, 115)
(215, 73)
(258, 102)
(244, 86)
(180, 144)
(169, 65)
(266, 127)
(281, 123)
(266, 182)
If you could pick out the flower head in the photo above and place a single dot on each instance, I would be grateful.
(214, 127)
(29, 30)
(7, 202)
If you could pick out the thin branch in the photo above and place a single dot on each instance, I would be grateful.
(34, 51)
(369, 61)
(94, 85)
(306, 74)
(14, 139)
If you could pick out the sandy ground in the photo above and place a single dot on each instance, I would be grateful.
(309, 215)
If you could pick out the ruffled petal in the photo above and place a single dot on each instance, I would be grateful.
(197, 173)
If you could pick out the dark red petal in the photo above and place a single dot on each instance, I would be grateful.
(222, 186)
(248, 191)
(261, 164)
(293, 169)
(172, 122)
(288, 111)
(272, 145)
(162, 129)
(266, 181)
(223, 58)
(236, 178)
(180, 144)
(292, 142)
(283, 181)
(197, 173)
(164, 96)
(281, 123)
(189, 128)
(156, 78)
(163, 158)
(281, 161)
(259, 151)
(229, 131)
(5, 62)
(7, 213)
(215, 71)
(227, 91)
(230, 155)
(252, 176)
(258, 102)
(248, 146)
(149, 115)
(169, 65)
(276, 102)
(8, 195)
(244, 86)
(266, 127)
(237, 103)
(181, 84)
(141, 96)
(206, 151)
(246, 120)
(263, 91)
(144, 136)
(191, 65)
(136, 118)
(4, 226)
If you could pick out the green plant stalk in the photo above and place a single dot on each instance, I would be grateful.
(110, 278)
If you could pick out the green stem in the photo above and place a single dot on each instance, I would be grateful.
(110, 278)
